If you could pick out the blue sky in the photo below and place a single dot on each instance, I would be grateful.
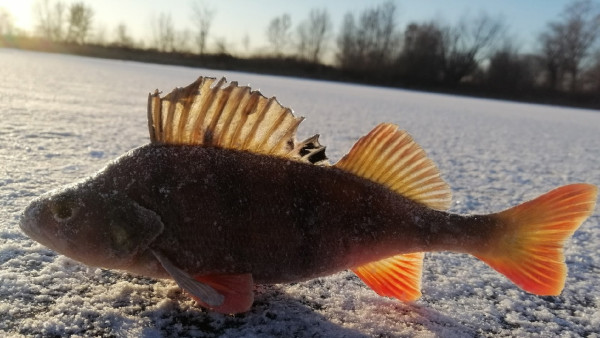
(234, 19)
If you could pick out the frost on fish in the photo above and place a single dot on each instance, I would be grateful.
(224, 197)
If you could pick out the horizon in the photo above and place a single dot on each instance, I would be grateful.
(251, 21)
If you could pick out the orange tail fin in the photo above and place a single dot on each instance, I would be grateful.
(530, 251)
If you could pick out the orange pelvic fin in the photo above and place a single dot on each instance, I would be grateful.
(237, 290)
(398, 276)
(530, 251)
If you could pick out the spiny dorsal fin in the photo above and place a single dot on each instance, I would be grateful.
(398, 276)
(310, 150)
(233, 117)
(392, 158)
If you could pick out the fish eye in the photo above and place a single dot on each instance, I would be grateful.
(62, 210)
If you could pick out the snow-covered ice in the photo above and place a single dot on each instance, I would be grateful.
(64, 117)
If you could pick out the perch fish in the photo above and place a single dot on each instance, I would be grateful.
(224, 197)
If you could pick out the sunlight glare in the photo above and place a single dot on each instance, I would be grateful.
(21, 12)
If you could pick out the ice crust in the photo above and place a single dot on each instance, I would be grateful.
(64, 117)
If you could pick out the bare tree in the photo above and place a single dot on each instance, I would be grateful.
(511, 72)
(163, 32)
(6, 22)
(313, 34)
(567, 43)
(202, 17)
(278, 33)
(80, 22)
(347, 54)
(371, 42)
(591, 77)
(221, 45)
(377, 33)
(246, 43)
(98, 35)
(50, 19)
(553, 55)
(464, 45)
(181, 41)
(123, 39)
(422, 58)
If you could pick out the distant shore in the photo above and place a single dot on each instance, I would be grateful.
(293, 67)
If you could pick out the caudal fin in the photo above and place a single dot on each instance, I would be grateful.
(530, 250)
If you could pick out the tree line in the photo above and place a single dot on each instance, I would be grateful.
(371, 46)
(476, 50)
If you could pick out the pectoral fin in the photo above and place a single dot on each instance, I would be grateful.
(203, 292)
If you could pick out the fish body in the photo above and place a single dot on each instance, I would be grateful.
(218, 204)
(280, 220)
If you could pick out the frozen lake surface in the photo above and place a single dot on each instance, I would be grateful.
(64, 117)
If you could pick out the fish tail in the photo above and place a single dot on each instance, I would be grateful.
(529, 251)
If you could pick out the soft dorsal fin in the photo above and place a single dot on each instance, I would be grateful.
(233, 117)
(398, 276)
(392, 158)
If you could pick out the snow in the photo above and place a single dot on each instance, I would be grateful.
(64, 117)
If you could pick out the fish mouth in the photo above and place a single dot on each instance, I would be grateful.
(31, 223)
(28, 223)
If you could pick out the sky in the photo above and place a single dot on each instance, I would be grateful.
(236, 19)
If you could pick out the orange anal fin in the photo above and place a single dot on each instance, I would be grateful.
(398, 276)
(530, 251)
(237, 290)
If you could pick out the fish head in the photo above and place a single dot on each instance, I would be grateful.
(99, 229)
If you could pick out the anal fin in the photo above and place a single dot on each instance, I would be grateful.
(398, 276)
